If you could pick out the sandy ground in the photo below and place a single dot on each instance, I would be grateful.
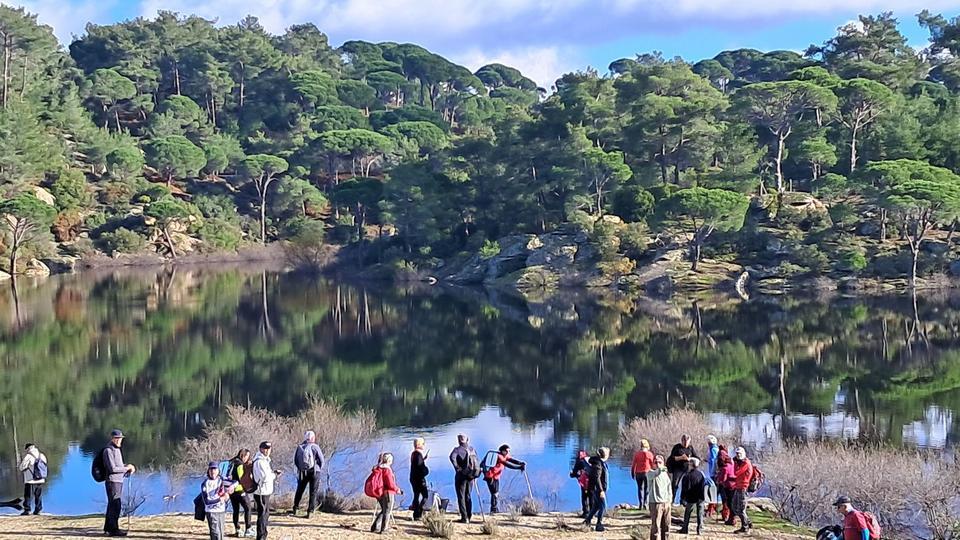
(356, 526)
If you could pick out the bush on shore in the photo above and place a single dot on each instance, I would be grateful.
(337, 431)
(664, 428)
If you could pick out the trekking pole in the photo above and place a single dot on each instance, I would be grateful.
(479, 498)
(527, 479)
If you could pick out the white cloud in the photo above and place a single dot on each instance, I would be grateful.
(67, 17)
(542, 64)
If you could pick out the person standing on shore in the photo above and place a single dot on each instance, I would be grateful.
(33, 466)
(492, 476)
(854, 522)
(725, 479)
(643, 462)
(599, 481)
(661, 500)
(241, 473)
(309, 461)
(418, 476)
(581, 471)
(742, 474)
(265, 476)
(116, 471)
(390, 491)
(215, 497)
(692, 489)
(713, 455)
(467, 469)
(678, 461)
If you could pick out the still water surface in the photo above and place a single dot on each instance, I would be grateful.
(159, 353)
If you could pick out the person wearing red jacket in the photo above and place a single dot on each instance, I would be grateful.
(390, 490)
(643, 462)
(492, 476)
(724, 480)
(742, 474)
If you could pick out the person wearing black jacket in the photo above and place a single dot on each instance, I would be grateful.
(580, 467)
(418, 476)
(692, 489)
(598, 487)
(463, 458)
(241, 475)
(308, 459)
(679, 461)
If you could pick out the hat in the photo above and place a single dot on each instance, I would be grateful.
(265, 444)
(213, 465)
(843, 499)
(116, 434)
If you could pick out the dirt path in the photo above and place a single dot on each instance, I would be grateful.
(356, 526)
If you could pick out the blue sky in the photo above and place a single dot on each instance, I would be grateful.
(544, 38)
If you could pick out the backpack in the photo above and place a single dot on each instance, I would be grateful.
(584, 478)
(873, 524)
(98, 469)
(373, 486)
(199, 508)
(39, 469)
(489, 462)
(307, 459)
(472, 470)
(756, 480)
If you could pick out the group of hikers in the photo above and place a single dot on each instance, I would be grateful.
(717, 484)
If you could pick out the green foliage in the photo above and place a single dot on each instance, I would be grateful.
(489, 249)
(220, 234)
(122, 240)
(175, 157)
(632, 203)
(71, 191)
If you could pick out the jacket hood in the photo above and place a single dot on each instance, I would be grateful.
(35, 452)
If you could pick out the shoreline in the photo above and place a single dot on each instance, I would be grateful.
(355, 525)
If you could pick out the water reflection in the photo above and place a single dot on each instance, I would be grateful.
(160, 352)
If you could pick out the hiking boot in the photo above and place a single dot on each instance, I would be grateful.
(600, 527)
(251, 533)
(741, 530)
(25, 513)
(117, 533)
(308, 515)
(683, 531)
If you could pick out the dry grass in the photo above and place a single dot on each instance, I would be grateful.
(907, 490)
(489, 527)
(337, 431)
(438, 525)
(530, 507)
(664, 428)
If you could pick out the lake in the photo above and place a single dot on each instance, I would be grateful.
(160, 352)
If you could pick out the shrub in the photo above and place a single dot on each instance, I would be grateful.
(489, 249)
(305, 250)
(853, 259)
(437, 525)
(219, 234)
(897, 485)
(70, 190)
(122, 240)
(664, 428)
(530, 507)
(632, 203)
(67, 226)
(633, 240)
(341, 431)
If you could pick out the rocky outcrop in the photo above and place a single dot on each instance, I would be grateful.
(529, 261)
(36, 268)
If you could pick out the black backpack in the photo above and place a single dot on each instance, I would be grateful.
(98, 470)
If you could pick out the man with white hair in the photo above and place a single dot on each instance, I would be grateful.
(466, 467)
(309, 460)
(742, 474)
(854, 522)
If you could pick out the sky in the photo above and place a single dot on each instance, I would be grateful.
(543, 38)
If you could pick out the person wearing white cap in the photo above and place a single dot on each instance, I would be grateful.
(742, 474)
(265, 476)
(216, 492)
(116, 471)
(308, 460)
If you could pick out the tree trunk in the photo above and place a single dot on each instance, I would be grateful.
(913, 269)
(853, 149)
(695, 254)
(6, 68)
(883, 225)
(23, 80)
(173, 249)
(116, 116)
(263, 216)
(781, 141)
(242, 84)
(14, 253)
(176, 77)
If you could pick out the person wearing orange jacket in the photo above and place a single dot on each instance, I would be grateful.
(742, 474)
(492, 476)
(643, 462)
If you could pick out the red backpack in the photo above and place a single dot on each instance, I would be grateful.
(873, 524)
(373, 487)
(756, 480)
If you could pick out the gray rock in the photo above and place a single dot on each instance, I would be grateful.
(659, 287)
(36, 268)
(62, 264)
(4, 276)
(868, 228)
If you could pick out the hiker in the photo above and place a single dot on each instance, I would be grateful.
(216, 493)
(692, 490)
(713, 490)
(742, 474)
(678, 462)
(116, 471)
(598, 487)
(581, 471)
(493, 474)
(855, 525)
(661, 499)
(724, 479)
(390, 490)
(34, 469)
(309, 460)
(264, 476)
(467, 467)
(418, 476)
(643, 461)
(241, 473)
